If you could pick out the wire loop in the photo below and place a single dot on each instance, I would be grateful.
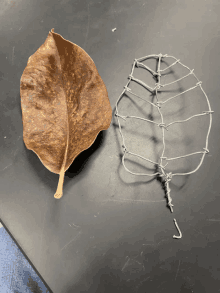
(206, 150)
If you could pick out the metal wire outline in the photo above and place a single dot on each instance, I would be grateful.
(158, 105)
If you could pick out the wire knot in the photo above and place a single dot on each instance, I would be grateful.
(199, 83)
(208, 112)
(136, 62)
(124, 147)
(130, 76)
(163, 125)
(160, 55)
(163, 158)
(156, 74)
(168, 177)
(206, 150)
(191, 71)
(158, 86)
(158, 104)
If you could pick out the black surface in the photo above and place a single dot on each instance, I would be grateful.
(111, 231)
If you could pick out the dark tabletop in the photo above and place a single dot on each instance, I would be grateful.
(112, 231)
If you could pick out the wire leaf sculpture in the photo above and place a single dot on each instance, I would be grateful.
(161, 171)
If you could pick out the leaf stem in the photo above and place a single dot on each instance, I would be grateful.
(59, 192)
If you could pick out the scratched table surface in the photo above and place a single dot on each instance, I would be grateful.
(112, 231)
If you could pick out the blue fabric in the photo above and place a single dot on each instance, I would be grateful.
(16, 273)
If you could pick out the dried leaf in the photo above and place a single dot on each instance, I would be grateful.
(64, 104)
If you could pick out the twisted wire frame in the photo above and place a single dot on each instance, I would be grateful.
(162, 173)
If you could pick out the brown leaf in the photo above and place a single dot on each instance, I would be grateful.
(64, 104)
